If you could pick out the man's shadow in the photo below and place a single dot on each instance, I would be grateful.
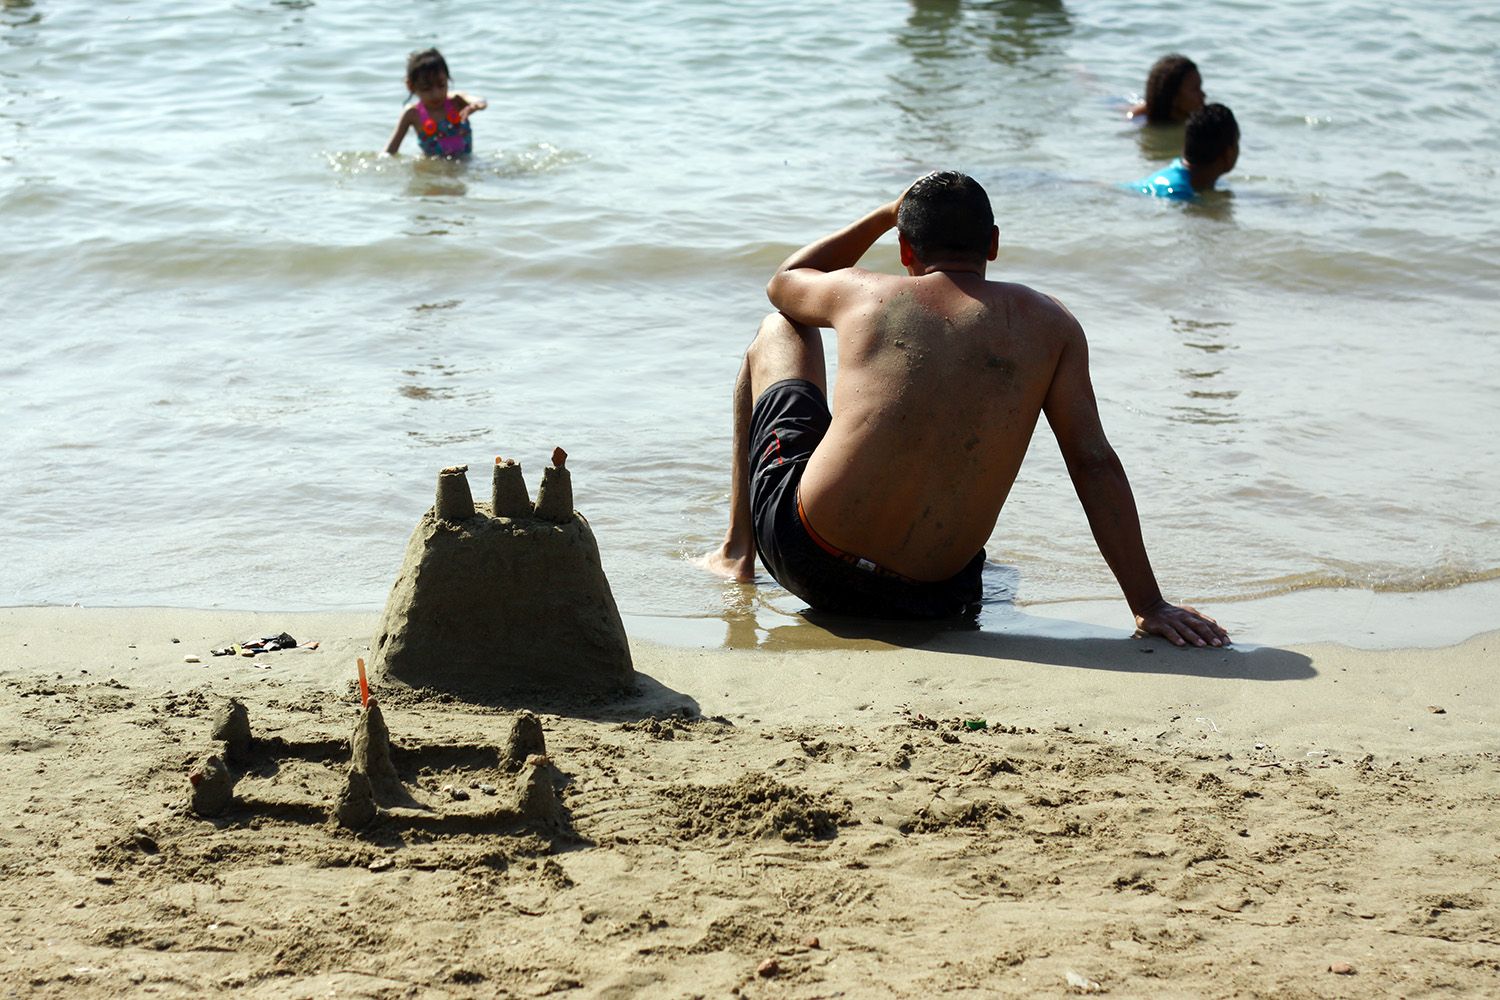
(1145, 655)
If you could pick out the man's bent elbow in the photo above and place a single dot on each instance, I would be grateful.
(1093, 462)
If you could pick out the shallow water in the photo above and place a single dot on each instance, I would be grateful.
(241, 343)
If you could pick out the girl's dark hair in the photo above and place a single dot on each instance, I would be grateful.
(946, 214)
(1163, 83)
(423, 67)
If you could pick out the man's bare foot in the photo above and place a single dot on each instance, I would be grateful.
(728, 564)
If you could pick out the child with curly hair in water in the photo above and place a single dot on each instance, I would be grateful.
(1174, 90)
(441, 119)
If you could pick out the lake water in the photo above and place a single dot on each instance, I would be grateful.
(239, 343)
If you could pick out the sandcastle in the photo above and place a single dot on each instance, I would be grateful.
(393, 787)
(505, 597)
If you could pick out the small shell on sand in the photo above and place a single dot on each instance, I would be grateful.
(1078, 983)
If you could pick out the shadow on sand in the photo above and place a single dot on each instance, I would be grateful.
(1130, 655)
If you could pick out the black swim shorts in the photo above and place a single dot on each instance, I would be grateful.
(787, 423)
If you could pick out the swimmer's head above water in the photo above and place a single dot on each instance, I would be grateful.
(427, 76)
(1174, 90)
(1212, 140)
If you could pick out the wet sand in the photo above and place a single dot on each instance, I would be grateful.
(777, 822)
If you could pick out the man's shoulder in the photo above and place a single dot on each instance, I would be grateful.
(1031, 303)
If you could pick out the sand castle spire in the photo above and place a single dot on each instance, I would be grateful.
(454, 501)
(554, 500)
(508, 491)
(371, 755)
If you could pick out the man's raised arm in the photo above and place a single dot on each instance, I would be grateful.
(1099, 479)
(802, 287)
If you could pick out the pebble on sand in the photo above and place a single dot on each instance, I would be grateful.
(768, 968)
(1341, 969)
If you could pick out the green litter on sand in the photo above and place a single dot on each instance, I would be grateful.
(975, 724)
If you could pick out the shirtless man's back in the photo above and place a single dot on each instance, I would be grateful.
(884, 506)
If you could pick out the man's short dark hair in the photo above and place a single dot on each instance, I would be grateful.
(423, 68)
(946, 215)
(1163, 83)
(1211, 131)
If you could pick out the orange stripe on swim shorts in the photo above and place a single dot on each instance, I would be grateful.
(817, 538)
(775, 446)
(859, 562)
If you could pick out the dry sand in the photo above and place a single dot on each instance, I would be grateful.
(776, 823)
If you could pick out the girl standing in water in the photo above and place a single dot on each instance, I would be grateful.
(440, 119)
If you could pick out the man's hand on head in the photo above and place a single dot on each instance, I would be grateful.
(1180, 626)
(895, 206)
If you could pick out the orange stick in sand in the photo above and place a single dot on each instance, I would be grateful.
(364, 687)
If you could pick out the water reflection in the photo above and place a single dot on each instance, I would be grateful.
(1217, 205)
(763, 616)
(969, 59)
(1007, 31)
(1160, 142)
(1210, 400)
(433, 177)
(19, 14)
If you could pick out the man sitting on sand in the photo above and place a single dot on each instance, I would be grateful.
(882, 507)
(1210, 149)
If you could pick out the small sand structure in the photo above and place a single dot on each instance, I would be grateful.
(211, 786)
(370, 755)
(505, 597)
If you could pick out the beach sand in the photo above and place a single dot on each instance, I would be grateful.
(773, 823)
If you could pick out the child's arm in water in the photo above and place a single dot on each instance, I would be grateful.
(407, 119)
(468, 105)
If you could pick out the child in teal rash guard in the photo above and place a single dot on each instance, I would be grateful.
(1210, 149)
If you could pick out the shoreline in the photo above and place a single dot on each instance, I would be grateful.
(880, 671)
(1358, 618)
(779, 821)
